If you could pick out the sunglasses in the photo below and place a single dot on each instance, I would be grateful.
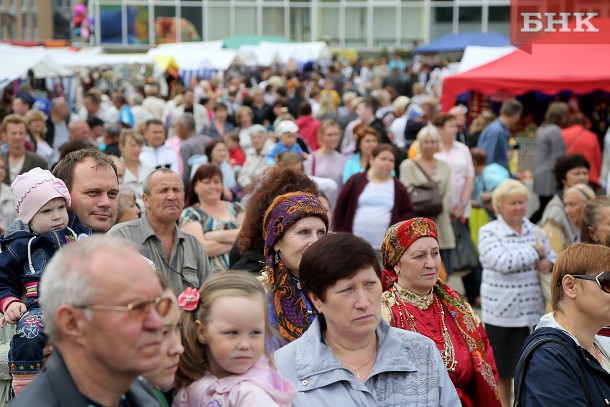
(603, 279)
(136, 310)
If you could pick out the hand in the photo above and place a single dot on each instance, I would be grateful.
(540, 249)
(458, 211)
(13, 312)
(544, 266)
(46, 352)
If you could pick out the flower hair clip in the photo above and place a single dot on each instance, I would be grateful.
(189, 299)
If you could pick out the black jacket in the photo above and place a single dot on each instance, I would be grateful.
(560, 373)
(54, 387)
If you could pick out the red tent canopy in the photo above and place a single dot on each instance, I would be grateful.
(550, 68)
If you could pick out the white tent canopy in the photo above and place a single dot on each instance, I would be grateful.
(475, 56)
(21, 59)
(301, 52)
(253, 55)
(193, 59)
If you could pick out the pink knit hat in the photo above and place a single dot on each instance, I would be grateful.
(32, 190)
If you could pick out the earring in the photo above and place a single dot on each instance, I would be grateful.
(277, 259)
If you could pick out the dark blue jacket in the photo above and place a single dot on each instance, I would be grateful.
(25, 255)
(560, 374)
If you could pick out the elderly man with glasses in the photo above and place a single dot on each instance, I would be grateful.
(103, 312)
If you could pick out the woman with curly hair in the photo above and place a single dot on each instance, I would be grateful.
(248, 254)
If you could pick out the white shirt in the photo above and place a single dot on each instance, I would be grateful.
(160, 157)
(460, 161)
(397, 128)
(374, 212)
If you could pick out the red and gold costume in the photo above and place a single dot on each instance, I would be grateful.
(443, 316)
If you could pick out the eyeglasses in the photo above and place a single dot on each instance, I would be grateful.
(136, 310)
(603, 279)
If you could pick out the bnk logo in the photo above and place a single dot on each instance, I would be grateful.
(559, 22)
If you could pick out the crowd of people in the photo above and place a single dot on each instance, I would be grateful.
(288, 239)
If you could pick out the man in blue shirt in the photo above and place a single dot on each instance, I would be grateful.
(494, 139)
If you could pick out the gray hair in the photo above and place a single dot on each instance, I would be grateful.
(67, 279)
(136, 99)
(187, 120)
(125, 193)
(258, 129)
(56, 102)
(113, 129)
(146, 183)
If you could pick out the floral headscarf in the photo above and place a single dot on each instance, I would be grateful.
(286, 210)
(289, 312)
(397, 240)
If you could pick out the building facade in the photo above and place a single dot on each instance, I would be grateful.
(364, 24)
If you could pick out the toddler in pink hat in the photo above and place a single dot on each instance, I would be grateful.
(43, 227)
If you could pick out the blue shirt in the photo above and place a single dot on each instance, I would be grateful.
(494, 140)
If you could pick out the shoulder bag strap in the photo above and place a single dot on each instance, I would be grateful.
(574, 139)
(519, 381)
(313, 164)
(428, 177)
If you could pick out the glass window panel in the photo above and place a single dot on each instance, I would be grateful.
(138, 28)
(245, 21)
(442, 21)
(355, 27)
(163, 18)
(470, 19)
(411, 26)
(218, 23)
(384, 26)
(273, 21)
(328, 25)
(191, 23)
(300, 27)
(499, 13)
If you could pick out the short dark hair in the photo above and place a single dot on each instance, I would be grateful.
(511, 107)
(321, 267)
(305, 109)
(440, 119)
(206, 171)
(566, 163)
(210, 147)
(64, 170)
(151, 122)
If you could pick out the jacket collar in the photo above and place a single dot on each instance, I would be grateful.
(526, 227)
(148, 231)
(316, 366)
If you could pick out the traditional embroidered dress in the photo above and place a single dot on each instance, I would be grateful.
(469, 360)
(442, 316)
(290, 312)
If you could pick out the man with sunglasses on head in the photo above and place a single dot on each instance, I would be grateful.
(564, 362)
(103, 313)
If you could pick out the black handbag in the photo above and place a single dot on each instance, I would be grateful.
(427, 198)
(465, 256)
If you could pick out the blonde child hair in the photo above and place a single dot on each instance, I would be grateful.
(193, 362)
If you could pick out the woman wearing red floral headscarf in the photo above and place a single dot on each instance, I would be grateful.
(416, 299)
(291, 224)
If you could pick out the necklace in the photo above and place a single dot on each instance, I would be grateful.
(354, 368)
(597, 353)
(422, 302)
(447, 351)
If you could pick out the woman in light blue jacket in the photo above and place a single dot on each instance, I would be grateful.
(349, 355)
